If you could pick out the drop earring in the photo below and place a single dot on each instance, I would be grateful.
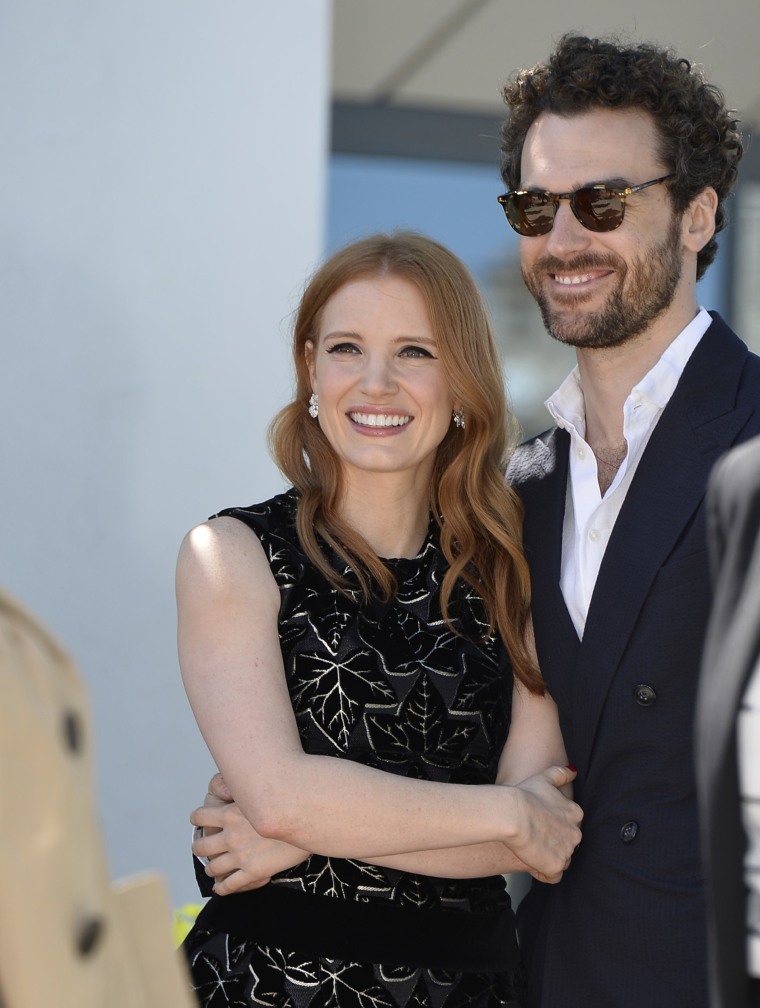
(458, 418)
(314, 405)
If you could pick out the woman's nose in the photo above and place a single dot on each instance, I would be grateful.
(378, 376)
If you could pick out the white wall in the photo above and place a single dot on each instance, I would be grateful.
(162, 167)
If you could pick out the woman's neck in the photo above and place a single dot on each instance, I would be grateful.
(392, 518)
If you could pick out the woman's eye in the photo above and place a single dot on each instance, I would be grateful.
(347, 348)
(415, 351)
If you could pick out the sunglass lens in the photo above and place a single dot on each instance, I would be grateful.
(531, 214)
(598, 209)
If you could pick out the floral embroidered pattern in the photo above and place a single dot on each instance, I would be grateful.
(391, 686)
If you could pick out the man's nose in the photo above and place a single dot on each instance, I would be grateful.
(567, 236)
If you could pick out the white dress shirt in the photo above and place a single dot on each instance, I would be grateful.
(589, 516)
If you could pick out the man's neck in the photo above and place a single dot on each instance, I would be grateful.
(609, 375)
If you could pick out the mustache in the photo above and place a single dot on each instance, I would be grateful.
(579, 264)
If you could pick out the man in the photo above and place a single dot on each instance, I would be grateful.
(728, 731)
(640, 155)
(69, 937)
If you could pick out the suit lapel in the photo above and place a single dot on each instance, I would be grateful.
(540, 468)
(697, 425)
(736, 661)
(733, 642)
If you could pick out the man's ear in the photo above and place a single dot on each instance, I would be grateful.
(699, 220)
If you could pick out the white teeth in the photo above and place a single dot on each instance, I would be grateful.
(575, 279)
(380, 419)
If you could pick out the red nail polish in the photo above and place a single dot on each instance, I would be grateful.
(571, 767)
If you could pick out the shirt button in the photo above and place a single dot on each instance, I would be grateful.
(593, 535)
(644, 695)
(629, 831)
(581, 453)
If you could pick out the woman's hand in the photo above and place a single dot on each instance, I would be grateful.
(239, 859)
(548, 824)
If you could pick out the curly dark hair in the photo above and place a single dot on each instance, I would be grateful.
(699, 139)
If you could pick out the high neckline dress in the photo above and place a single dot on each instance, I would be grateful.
(388, 685)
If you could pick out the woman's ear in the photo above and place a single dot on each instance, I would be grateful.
(308, 351)
(699, 220)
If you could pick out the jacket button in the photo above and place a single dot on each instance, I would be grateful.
(73, 735)
(629, 831)
(89, 935)
(644, 695)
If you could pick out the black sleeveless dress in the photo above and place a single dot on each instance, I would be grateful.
(389, 686)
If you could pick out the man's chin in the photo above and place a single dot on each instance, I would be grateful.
(570, 339)
(565, 327)
(588, 333)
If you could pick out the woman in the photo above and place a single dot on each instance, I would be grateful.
(354, 651)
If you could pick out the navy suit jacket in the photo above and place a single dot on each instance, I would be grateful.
(732, 650)
(626, 925)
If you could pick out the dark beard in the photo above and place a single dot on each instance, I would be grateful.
(645, 289)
